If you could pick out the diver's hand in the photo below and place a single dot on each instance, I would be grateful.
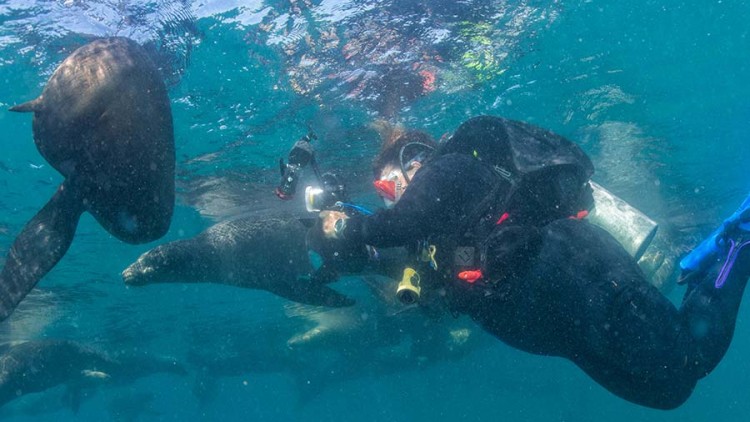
(333, 223)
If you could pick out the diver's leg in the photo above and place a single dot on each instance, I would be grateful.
(680, 346)
(584, 298)
(710, 306)
(637, 347)
(608, 319)
(709, 315)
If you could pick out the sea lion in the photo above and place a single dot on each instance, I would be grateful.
(35, 366)
(334, 328)
(376, 337)
(267, 254)
(104, 122)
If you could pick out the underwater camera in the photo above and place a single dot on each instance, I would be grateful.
(301, 154)
(327, 196)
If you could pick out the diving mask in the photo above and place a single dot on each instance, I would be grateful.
(390, 188)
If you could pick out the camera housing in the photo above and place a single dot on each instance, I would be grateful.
(301, 154)
(332, 191)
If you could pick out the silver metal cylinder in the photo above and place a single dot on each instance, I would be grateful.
(633, 229)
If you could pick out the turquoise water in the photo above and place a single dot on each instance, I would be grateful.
(654, 93)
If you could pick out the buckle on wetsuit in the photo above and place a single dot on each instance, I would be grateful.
(427, 254)
(464, 261)
(463, 256)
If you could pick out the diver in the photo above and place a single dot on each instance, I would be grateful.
(329, 193)
(502, 202)
(402, 152)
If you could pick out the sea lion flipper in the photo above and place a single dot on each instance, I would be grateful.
(28, 106)
(311, 293)
(308, 222)
(383, 289)
(72, 398)
(95, 374)
(41, 244)
(307, 337)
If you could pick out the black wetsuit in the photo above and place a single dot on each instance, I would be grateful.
(565, 288)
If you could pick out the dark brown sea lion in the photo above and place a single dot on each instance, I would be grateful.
(105, 123)
(266, 254)
(38, 365)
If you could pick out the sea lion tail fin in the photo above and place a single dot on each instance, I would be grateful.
(28, 106)
(41, 244)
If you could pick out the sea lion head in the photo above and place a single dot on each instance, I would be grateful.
(151, 267)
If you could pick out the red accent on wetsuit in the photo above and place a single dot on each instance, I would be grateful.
(470, 276)
(502, 219)
(580, 215)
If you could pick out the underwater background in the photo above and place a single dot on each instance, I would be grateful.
(655, 92)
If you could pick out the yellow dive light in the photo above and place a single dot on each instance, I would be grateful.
(408, 289)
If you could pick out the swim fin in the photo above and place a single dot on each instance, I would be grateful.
(724, 243)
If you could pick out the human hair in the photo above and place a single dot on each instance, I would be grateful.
(391, 150)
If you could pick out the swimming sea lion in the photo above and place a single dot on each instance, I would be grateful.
(104, 122)
(35, 366)
(376, 337)
(334, 328)
(268, 254)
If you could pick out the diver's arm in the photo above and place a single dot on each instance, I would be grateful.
(440, 194)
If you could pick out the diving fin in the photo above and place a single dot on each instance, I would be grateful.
(713, 248)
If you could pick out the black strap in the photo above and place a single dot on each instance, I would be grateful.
(466, 226)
